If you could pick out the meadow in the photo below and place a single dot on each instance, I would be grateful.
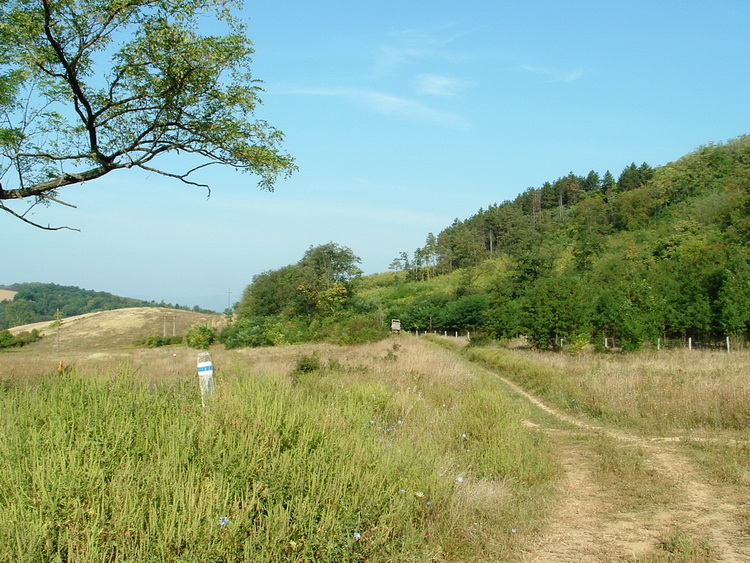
(701, 399)
(410, 449)
(396, 451)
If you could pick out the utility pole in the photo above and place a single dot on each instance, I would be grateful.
(58, 318)
(229, 298)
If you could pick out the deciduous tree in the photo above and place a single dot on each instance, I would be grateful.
(88, 87)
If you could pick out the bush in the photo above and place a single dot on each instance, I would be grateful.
(155, 341)
(201, 336)
(253, 331)
(480, 339)
(347, 330)
(308, 363)
(7, 340)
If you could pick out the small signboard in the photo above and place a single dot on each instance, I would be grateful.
(395, 325)
(205, 376)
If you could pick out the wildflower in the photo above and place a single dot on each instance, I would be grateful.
(442, 474)
(419, 494)
(223, 520)
(357, 536)
(513, 530)
(463, 436)
(402, 491)
(459, 479)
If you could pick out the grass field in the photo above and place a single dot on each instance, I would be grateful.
(404, 450)
(395, 451)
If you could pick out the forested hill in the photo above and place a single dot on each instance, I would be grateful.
(656, 252)
(35, 302)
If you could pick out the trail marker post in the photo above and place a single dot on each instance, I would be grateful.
(205, 376)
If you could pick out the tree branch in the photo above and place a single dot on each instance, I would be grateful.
(30, 222)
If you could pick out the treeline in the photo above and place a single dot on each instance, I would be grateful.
(312, 300)
(660, 252)
(36, 302)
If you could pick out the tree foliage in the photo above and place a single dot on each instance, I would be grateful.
(660, 253)
(88, 87)
(314, 299)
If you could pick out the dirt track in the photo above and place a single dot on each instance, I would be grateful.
(591, 526)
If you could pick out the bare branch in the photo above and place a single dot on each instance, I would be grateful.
(30, 222)
(182, 177)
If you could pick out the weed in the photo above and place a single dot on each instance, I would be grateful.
(678, 547)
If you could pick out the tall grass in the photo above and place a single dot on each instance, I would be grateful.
(658, 392)
(384, 453)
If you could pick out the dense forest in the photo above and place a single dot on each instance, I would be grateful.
(656, 253)
(35, 302)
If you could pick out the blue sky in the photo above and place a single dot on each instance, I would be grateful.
(402, 117)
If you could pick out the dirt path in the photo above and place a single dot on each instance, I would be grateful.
(591, 526)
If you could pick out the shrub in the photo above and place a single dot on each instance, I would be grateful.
(156, 341)
(201, 336)
(480, 339)
(308, 363)
(7, 340)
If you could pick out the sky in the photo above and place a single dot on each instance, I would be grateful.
(402, 117)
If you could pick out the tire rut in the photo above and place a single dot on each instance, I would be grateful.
(589, 526)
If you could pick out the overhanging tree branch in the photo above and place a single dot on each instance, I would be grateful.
(104, 104)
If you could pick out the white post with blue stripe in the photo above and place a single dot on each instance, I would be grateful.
(205, 376)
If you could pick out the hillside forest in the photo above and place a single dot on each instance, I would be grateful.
(36, 302)
(657, 253)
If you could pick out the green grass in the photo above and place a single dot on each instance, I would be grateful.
(333, 465)
(678, 547)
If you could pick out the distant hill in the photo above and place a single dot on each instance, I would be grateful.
(114, 329)
(38, 302)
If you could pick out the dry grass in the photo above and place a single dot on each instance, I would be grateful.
(102, 342)
(7, 295)
(666, 390)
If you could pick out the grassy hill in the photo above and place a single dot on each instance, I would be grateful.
(100, 341)
(25, 303)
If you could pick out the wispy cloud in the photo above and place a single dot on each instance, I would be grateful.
(406, 46)
(389, 104)
(438, 85)
(552, 74)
